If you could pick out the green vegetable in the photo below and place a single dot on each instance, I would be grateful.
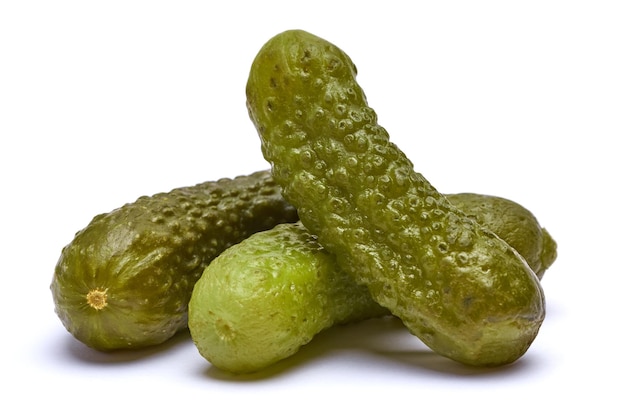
(456, 285)
(512, 222)
(262, 299)
(125, 280)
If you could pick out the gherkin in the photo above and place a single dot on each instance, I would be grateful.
(261, 300)
(512, 222)
(125, 280)
(456, 285)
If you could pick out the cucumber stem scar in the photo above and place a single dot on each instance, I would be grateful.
(97, 298)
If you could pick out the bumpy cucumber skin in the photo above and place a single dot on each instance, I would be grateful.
(514, 224)
(457, 286)
(262, 299)
(146, 256)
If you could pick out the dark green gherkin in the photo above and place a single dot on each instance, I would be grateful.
(125, 279)
(456, 285)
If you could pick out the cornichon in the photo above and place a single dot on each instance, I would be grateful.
(262, 299)
(125, 279)
(512, 222)
(456, 285)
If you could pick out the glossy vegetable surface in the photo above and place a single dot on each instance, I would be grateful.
(125, 280)
(456, 285)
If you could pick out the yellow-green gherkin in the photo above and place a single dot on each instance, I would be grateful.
(262, 299)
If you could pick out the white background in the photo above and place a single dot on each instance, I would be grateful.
(101, 102)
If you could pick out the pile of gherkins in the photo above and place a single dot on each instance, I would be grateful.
(341, 229)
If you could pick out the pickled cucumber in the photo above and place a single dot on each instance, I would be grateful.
(456, 285)
(125, 280)
(262, 299)
(512, 222)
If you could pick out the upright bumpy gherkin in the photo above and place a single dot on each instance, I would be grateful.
(456, 285)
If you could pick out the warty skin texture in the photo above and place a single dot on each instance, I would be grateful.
(456, 285)
(512, 222)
